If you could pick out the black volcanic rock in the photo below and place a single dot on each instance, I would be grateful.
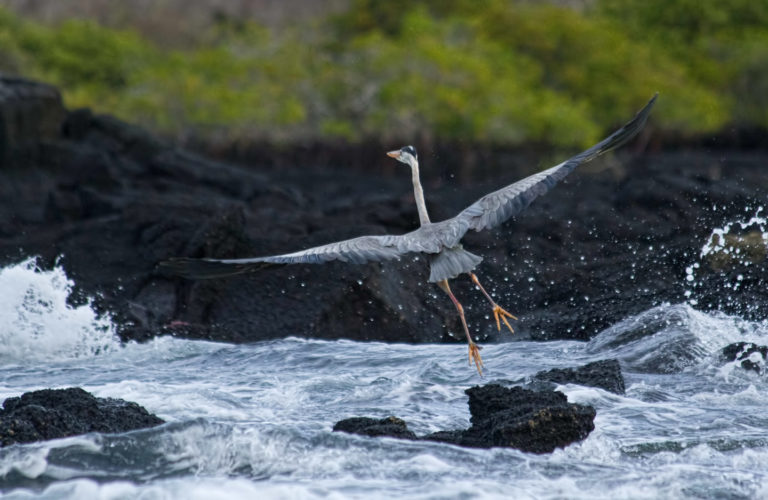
(29, 112)
(534, 421)
(520, 418)
(390, 426)
(57, 413)
(605, 374)
(743, 351)
(110, 201)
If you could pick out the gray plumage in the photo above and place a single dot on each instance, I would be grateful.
(440, 240)
(451, 262)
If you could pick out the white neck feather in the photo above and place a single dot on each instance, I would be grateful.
(419, 194)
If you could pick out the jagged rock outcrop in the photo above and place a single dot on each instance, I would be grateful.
(30, 112)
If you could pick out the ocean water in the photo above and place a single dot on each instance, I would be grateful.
(254, 421)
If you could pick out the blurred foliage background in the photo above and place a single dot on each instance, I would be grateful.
(496, 72)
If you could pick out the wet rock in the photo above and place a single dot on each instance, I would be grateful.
(57, 413)
(532, 421)
(520, 418)
(390, 426)
(752, 356)
(605, 374)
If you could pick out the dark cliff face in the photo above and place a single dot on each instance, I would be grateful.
(110, 201)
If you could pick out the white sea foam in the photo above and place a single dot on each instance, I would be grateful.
(255, 420)
(37, 323)
(188, 489)
(30, 462)
(669, 338)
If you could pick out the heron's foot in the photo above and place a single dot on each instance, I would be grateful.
(474, 356)
(502, 315)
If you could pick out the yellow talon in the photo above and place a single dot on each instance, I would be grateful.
(501, 314)
(474, 355)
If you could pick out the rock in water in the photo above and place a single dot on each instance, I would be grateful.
(513, 417)
(605, 374)
(752, 356)
(520, 418)
(57, 413)
(390, 426)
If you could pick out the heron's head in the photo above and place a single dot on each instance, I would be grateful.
(406, 154)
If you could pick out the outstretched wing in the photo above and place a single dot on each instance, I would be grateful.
(357, 250)
(487, 212)
(494, 208)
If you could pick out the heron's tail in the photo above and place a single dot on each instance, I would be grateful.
(208, 268)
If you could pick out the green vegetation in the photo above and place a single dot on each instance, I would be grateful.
(503, 73)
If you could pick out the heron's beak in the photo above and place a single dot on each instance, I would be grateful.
(394, 154)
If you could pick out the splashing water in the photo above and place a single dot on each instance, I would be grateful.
(719, 241)
(670, 338)
(37, 323)
(254, 421)
(741, 243)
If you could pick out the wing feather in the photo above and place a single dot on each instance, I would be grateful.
(357, 250)
(489, 211)
(495, 208)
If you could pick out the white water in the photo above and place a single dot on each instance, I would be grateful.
(254, 421)
(37, 324)
(720, 244)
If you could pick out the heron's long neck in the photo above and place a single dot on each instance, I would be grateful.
(419, 195)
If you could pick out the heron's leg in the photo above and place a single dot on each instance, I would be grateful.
(498, 312)
(474, 349)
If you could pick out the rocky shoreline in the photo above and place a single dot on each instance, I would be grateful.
(108, 201)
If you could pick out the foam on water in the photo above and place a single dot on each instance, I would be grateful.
(669, 338)
(255, 420)
(37, 323)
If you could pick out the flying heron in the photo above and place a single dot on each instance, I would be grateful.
(439, 241)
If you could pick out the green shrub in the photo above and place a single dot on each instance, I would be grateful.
(722, 45)
(439, 80)
(504, 73)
